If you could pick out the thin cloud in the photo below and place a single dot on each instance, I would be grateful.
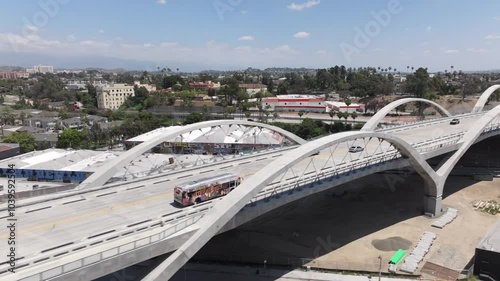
(474, 50)
(244, 12)
(429, 28)
(92, 43)
(496, 18)
(301, 6)
(451, 51)
(301, 35)
(161, 2)
(492, 37)
(32, 28)
(246, 38)
(101, 31)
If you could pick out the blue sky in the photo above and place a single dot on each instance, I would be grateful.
(233, 34)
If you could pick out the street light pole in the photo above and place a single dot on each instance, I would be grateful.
(380, 268)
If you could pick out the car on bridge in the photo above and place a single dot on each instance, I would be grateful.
(355, 149)
(455, 121)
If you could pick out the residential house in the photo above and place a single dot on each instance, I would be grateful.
(49, 139)
(79, 123)
(47, 123)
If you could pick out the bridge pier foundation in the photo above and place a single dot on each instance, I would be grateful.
(433, 205)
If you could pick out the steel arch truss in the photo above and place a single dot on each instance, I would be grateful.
(100, 177)
(478, 107)
(372, 124)
(385, 146)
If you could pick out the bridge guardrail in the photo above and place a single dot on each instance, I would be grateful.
(109, 253)
(408, 125)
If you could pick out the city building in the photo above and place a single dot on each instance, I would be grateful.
(204, 85)
(253, 89)
(341, 106)
(113, 96)
(13, 75)
(487, 258)
(8, 150)
(41, 69)
(149, 87)
(294, 103)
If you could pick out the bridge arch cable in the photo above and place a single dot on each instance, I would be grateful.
(229, 206)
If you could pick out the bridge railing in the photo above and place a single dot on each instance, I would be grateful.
(217, 159)
(408, 125)
(112, 252)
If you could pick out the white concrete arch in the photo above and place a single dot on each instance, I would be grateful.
(372, 124)
(100, 177)
(478, 107)
(468, 140)
(227, 208)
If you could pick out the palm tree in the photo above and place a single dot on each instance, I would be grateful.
(354, 115)
(301, 113)
(407, 68)
(340, 115)
(348, 102)
(248, 114)
(412, 68)
(275, 115)
(345, 115)
(331, 113)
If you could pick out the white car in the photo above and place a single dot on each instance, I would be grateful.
(356, 149)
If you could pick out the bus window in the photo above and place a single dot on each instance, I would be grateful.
(232, 183)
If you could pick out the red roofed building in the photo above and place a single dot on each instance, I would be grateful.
(204, 85)
(295, 103)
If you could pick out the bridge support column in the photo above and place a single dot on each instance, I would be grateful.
(433, 196)
(433, 205)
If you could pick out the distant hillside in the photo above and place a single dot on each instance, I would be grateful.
(11, 68)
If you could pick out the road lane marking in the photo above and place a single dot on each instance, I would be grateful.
(51, 224)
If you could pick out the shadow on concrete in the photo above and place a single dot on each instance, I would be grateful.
(324, 222)
(294, 234)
